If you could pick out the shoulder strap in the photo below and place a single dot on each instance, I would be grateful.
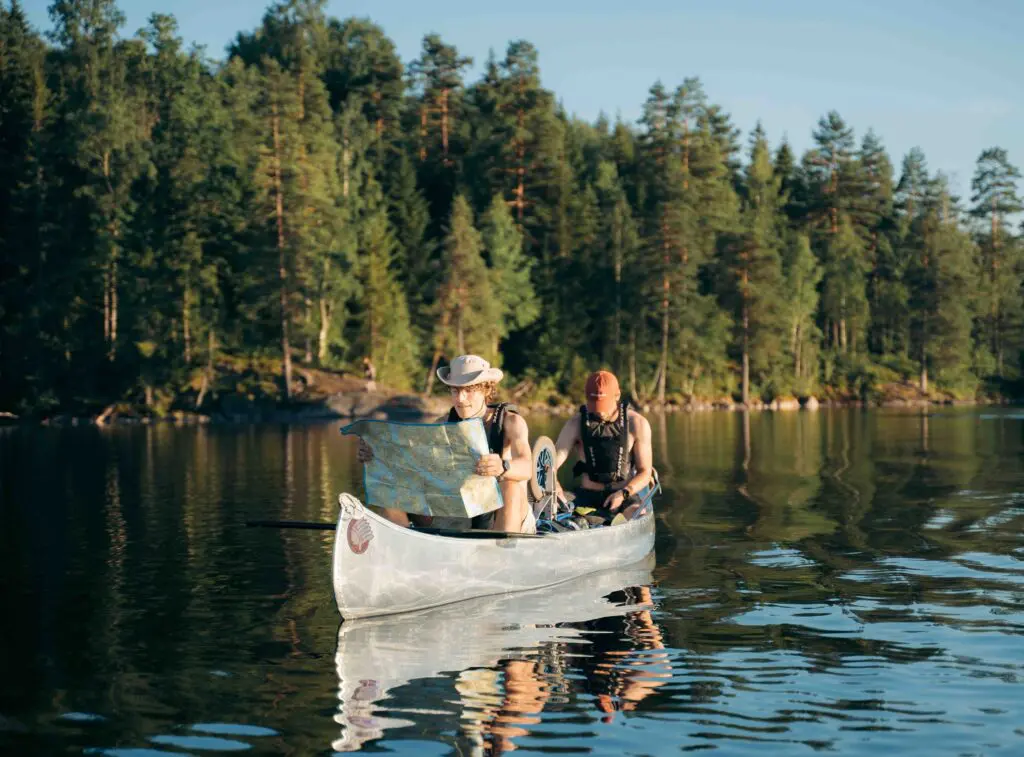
(624, 440)
(586, 441)
(496, 437)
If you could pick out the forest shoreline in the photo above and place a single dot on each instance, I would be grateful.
(356, 401)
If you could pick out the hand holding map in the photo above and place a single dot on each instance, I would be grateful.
(427, 468)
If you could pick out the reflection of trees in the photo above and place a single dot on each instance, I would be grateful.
(138, 595)
(816, 501)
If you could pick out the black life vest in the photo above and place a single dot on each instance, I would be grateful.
(605, 447)
(496, 434)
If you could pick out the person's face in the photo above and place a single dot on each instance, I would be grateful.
(468, 401)
(610, 414)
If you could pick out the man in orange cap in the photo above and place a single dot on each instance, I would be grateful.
(614, 447)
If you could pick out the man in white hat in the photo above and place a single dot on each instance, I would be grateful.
(473, 382)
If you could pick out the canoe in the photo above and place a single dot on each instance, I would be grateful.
(375, 657)
(380, 568)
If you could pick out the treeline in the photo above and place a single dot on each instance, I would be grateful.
(314, 199)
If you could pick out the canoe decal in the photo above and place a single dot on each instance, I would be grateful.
(359, 535)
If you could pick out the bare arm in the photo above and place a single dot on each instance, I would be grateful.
(643, 456)
(567, 439)
(518, 436)
(517, 442)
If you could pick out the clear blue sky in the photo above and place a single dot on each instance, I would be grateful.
(946, 76)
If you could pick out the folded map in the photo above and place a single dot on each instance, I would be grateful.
(427, 468)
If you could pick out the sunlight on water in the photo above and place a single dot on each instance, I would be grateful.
(845, 581)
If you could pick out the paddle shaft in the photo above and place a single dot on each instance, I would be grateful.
(476, 533)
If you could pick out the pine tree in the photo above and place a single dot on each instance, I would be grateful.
(437, 81)
(994, 198)
(410, 218)
(518, 142)
(386, 334)
(509, 270)
(104, 125)
(826, 170)
(361, 66)
(844, 297)
(943, 285)
(466, 311)
(751, 275)
(29, 340)
(802, 275)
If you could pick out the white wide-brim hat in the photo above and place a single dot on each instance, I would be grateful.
(466, 370)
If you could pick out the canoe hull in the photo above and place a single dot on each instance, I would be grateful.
(380, 568)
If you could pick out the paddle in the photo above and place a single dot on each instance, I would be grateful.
(476, 533)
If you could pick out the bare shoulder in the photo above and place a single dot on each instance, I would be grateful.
(572, 423)
(515, 424)
(637, 423)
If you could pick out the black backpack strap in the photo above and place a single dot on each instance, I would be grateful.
(623, 473)
(586, 443)
(496, 436)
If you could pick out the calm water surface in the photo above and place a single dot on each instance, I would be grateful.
(841, 581)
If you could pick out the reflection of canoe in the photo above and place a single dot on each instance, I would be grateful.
(377, 655)
(381, 568)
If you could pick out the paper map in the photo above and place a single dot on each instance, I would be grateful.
(427, 468)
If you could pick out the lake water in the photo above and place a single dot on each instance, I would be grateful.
(846, 581)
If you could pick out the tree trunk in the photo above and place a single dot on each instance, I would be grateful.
(444, 125)
(746, 355)
(663, 362)
(663, 366)
(842, 334)
(113, 309)
(106, 307)
(325, 326)
(617, 319)
(423, 132)
(346, 160)
(632, 361)
(432, 372)
(520, 201)
(307, 358)
(799, 351)
(185, 325)
(286, 353)
(211, 349)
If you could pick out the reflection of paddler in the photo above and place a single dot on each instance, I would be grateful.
(615, 673)
(500, 702)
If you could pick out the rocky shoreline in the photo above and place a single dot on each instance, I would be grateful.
(384, 405)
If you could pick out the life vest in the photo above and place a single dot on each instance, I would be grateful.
(496, 433)
(605, 447)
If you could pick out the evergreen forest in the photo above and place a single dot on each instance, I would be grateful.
(311, 199)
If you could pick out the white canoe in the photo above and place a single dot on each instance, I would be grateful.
(381, 568)
(376, 656)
